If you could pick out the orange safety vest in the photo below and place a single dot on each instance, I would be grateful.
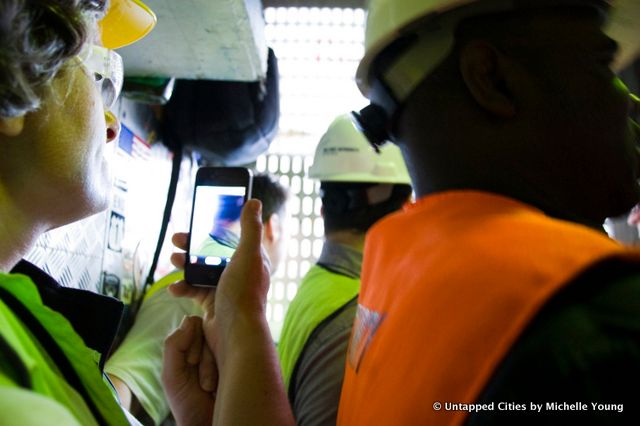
(448, 286)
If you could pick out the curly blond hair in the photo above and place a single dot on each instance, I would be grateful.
(37, 37)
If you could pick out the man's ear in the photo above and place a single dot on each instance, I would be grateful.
(272, 228)
(483, 70)
(11, 126)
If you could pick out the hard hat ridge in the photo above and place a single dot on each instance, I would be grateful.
(406, 40)
(344, 155)
(390, 21)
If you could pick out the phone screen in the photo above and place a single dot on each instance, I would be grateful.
(219, 196)
(215, 232)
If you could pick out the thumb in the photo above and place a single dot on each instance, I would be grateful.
(181, 337)
(247, 276)
(180, 349)
(251, 227)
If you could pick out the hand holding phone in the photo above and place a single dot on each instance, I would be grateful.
(220, 193)
(241, 293)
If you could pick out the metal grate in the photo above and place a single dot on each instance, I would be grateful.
(73, 253)
(318, 51)
(306, 231)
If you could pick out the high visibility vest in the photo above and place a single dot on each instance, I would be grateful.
(320, 294)
(138, 359)
(164, 282)
(448, 286)
(43, 376)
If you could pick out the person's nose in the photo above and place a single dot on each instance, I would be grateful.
(113, 126)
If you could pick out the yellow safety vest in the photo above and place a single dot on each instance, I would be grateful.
(41, 375)
(320, 294)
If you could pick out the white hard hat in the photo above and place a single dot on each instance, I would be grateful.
(344, 155)
(622, 26)
(390, 20)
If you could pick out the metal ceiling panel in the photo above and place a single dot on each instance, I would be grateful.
(202, 39)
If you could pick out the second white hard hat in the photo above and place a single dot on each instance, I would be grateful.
(344, 155)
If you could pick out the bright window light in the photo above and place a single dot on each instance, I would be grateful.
(318, 50)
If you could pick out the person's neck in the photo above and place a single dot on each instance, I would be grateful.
(18, 232)
(352, 239)
(226, 227)
(552, 211)
(549, 208)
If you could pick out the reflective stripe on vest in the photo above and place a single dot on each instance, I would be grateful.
(447, 288)
(163, 282)
(45, 379)
(320, 294)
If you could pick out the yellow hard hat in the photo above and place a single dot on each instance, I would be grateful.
(125, 22)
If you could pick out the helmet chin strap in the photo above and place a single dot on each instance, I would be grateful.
(397, 73)
(372, 122)
(397, 81)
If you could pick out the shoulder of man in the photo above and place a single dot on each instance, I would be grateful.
(584, 346)
(317, 379)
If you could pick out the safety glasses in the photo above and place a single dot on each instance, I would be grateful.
(105, 66)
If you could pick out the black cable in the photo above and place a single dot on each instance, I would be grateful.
(171, 196)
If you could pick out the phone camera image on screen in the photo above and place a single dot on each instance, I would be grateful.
(216, 224)
(219, 195)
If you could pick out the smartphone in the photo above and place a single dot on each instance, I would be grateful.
(218, 197)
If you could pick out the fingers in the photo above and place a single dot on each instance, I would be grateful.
(180, 240)
(177, 346)
(189, 330)
(195, 349)
(208, 371)
(204, 296)
(184, 348)
(178, 260)
(189, 403)
(182, 289)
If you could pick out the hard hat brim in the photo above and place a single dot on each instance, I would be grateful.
(620, 26)
(344, 155)
(363, 178)
(126, 22)
(403, 22)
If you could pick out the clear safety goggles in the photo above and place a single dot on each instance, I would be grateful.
(105, 66)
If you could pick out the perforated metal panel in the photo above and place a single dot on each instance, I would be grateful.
(73, 254)
(318, 50)
(306, 231)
